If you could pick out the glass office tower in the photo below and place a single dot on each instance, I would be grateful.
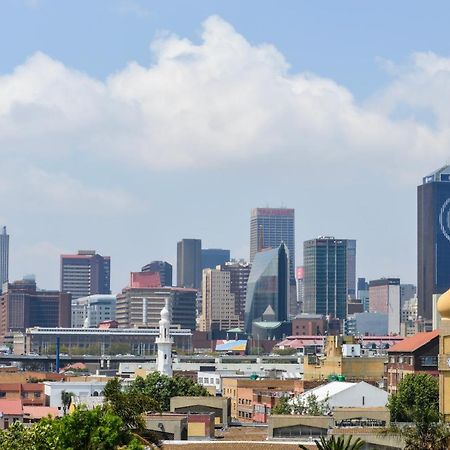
(326, 275)
(268, 284)
(433, 239)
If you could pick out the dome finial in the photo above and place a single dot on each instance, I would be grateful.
(443, 305)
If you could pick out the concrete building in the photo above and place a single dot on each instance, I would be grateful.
(140, 303)
(433, 238)
(4, 256)
(54, 389)
(22, 305)
(299, 277)
(309, 325)
(366, 324)
(213, 257)
(239, 273)
(268, 285)
(89, 311)
(189, 263)
(384, 297)
(407, 291)
(86, 273)
(140, 341)
(409, 317)
(335, 363)
(329, 268)
(163, 268)
(363, 293)
(218, 303)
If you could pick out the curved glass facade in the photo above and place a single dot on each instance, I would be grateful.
(268, 285)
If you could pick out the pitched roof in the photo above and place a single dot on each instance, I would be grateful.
(39, 412)
(413, 343)
(328, 390)
(11, 407)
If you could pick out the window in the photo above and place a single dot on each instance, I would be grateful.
(2, 394)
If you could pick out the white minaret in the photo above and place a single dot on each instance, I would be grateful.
(164, 341)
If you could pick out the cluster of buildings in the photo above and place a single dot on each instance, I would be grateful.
(259, 298)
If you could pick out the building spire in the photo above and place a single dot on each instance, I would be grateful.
(165, 342)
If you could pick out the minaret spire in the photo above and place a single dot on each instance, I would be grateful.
(165, 342)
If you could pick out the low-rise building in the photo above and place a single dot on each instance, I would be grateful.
(28, 393)
(416, 354)
(53, 391)
(334, 363)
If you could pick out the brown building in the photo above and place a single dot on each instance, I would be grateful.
(417, 354)
(23, 306)
(242, 394)
(309, 325)
(30, 394)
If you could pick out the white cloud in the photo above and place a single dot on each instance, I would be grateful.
(220, 102)
(35, 190)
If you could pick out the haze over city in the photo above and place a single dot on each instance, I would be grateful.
(126, 126)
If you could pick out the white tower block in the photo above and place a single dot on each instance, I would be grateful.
(165, 342)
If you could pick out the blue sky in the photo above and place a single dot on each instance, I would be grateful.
(126, 125)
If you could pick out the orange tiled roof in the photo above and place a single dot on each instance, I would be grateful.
(412, 343)
(11, 407)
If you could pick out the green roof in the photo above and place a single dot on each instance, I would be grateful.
(267, 324)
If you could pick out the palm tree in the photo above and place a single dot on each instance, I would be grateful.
(339, 443)
(66, 399)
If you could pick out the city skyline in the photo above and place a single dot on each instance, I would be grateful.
(349, 121)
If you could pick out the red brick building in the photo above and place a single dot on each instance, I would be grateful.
(417, 354)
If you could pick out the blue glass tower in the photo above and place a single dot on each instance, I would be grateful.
(433, 239)
(268, 285)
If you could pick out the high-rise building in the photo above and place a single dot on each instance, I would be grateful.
(299, 275)
(433, 239)
(268, 285)
(22, 306)
(407, 292)
(239, 273)
(86, 273)
(326, 275)
(141, 302)
(363, 293)
(89, 311)
(163, 268)
(4, 257)
(189, 263)
(218, 308)
(384, 297)
(213, 257)
(269, 227)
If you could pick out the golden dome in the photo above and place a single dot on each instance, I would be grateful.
(443, 305)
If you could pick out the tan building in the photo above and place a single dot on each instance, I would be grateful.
(218, 303)
(335, 363)
(443, 307)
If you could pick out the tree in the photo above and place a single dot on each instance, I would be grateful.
(66, 399)
(284, 351)
(129, 406)
(282, 406)
(428, 431)
(119, 349)
(340, 443)
(416, 394)
(97, 429)
(162, 388)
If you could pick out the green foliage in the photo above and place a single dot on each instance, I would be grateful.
(129, 406)
(284, 351)
(340, 443)
(417, 394)
(282, 406)
(66, 400)
(162, 388)
(428, 432)
(97, 429)
(256, 351)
